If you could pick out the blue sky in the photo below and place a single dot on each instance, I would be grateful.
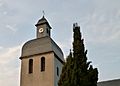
(100, 26)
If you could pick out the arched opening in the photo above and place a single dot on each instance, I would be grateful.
(42, 64)
(31, 66)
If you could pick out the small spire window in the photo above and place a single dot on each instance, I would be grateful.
(48, 31)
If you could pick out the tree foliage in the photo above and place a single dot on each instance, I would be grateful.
(77, 71)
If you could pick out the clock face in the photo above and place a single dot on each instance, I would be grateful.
(41, 30)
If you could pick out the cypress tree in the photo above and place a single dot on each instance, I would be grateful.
(77, 71)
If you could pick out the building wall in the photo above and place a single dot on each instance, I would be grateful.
(58, 64)
(115, 82)
(38, 78)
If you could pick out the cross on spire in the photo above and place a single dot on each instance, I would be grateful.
(43, 12)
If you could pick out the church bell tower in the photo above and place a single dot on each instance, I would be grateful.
(41, 58)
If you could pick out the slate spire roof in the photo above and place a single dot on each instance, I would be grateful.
(43, 20)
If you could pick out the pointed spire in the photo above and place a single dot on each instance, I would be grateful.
(43, 20)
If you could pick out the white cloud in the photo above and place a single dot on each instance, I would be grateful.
(9, 66)
(1, 47)
(10, 77)
(5, 12)
(8, 54)
(12, 28)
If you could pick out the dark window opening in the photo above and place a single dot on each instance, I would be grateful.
(31, 66)
(48, 31)
(57, 71)
(42, 64)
